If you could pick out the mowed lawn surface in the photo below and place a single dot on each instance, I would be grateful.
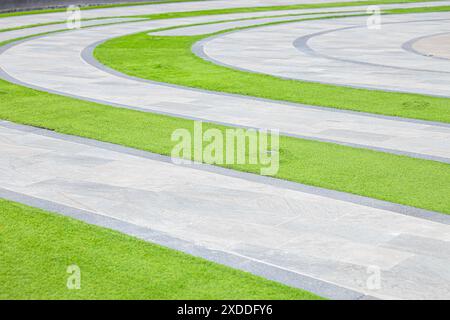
(37, 247)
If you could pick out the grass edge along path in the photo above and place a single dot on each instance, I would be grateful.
(169, 59)
(37, 247)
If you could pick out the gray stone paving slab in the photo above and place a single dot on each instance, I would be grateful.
(87, 81)
(341, 51)
(289, 235)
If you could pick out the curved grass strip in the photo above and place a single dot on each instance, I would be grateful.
(170, 59)
(38, 246)
(400, 179)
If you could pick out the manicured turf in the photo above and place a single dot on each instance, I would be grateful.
(170, 59)
(415, 182)
(37, 247)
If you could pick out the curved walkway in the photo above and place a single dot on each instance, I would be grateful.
(324, 241)
(88, 81)
(341, 51)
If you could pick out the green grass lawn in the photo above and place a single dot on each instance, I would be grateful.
(170, 59)
(36, 247)
(420, 183)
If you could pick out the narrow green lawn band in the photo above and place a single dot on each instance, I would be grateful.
(170, 59)
(38, 246)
